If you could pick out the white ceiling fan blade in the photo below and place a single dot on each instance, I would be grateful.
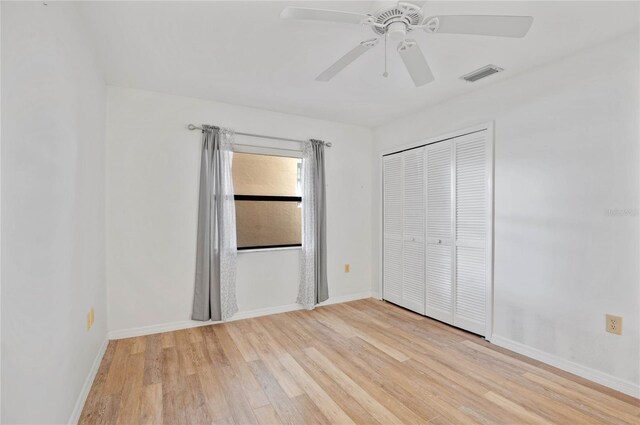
(344, 61)
(494, 25)
(415, 62)
(308, 14)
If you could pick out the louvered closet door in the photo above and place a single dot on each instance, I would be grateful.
(472, 171)
(439, 258)
(413, 284)
(393, 218)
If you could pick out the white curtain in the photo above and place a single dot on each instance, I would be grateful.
(313, 263)
(306, 292)
(228, 242)
(215, 283)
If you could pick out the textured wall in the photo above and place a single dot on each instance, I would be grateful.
(153, 164)
(566, 159)
(53, 206)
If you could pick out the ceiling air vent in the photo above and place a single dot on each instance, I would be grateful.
(483, 72)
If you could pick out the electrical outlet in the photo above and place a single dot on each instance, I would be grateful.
(614, 324)
(90, 318)
(347, 268)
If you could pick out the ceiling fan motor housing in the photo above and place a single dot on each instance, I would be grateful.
(396, 20)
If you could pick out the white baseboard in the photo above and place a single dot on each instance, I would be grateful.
(156, 329)
(347, 298)
(265, 311)
(293, 307)
(86, 387)
(594, 375)
(186, 324)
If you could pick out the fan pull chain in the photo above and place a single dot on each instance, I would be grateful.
(386, 74)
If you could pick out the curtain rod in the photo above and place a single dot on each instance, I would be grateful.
(195, 127)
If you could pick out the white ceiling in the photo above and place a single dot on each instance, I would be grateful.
(242, 53)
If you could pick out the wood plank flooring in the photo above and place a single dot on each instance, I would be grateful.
(365, 362)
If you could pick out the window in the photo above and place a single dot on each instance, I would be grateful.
(268, 202)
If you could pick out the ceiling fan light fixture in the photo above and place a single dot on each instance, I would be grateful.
(397, 31)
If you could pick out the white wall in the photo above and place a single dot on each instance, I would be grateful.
(566, 151)
(53, 191)
(152, 196)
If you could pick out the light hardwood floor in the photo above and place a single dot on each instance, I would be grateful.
(365, 362)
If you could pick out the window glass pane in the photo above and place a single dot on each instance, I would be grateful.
(265, 175)
(268, 223)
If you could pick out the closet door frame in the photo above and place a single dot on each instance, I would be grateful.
(489, 127)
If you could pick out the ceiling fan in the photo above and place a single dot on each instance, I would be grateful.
(397, 21)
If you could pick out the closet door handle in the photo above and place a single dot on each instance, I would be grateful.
(439, 240)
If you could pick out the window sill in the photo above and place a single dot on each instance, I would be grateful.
(286, 248)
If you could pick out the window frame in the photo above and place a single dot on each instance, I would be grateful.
(266, 151)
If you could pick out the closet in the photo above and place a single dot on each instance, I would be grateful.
(437, 230)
